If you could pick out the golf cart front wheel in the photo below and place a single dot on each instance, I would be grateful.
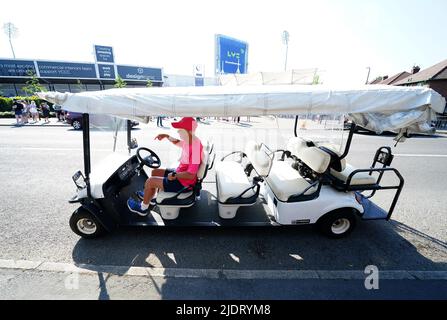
(84, 224)
(337, 224)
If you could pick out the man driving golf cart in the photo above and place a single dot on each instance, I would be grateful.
(172, 180)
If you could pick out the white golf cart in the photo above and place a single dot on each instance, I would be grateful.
(304, 183)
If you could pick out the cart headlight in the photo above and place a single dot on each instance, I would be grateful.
(79, 180)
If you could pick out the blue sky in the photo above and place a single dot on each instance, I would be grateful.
(340, 38)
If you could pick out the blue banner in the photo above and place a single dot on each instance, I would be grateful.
(104, 54)
(66, 70)
(198, 81)
(16, 68)
(106, 71)
(139, 73)
(232, 55)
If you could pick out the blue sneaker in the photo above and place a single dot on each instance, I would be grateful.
(140, 195)
(135, 206)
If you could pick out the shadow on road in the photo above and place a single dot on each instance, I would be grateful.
(386, 245)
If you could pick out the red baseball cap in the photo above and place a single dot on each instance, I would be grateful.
(187, 123)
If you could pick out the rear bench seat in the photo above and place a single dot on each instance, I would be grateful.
(359, 179)
(234, 188)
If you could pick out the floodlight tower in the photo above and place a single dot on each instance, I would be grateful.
(11, 31)
(285, 41)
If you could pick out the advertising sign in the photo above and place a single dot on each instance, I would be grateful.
(199, 70)
(199, 74)
(16, 68)
(139, 73)
(231, 55)
(75, 70)
(49, 69)
(198, 82)
(104, 54)
(106, 71)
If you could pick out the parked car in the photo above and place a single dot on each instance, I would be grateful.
(75, 120)
(347, 126)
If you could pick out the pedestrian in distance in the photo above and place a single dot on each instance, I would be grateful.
(58, 109)
(45, 111)
(33, 111)
(25, 113)
(17, 107)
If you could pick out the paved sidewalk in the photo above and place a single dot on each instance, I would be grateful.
(49, 280)
(11, 122)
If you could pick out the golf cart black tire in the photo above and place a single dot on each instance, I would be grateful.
(82, 213)
(77, 125)
(326, 222)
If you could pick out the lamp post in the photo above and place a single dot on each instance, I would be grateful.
(11, 31)
(369, 71)
(285, 41)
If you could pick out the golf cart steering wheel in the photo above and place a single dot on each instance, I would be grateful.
(152, 160)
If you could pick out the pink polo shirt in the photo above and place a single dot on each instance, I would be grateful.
(190, 160)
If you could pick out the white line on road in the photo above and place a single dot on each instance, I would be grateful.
(421, 155)
(217, 273)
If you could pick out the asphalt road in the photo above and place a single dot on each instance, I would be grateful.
(36, 165)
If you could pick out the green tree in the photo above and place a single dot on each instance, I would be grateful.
(32, 85)
(120, 83)
(149, 83)
(316, 79)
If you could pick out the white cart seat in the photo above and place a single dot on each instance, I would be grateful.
(231, 181)
(285, 181)
(167, 195)
(295, 145)
(361, 178)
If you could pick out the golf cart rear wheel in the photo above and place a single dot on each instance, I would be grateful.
(337, 224)
(84, 224)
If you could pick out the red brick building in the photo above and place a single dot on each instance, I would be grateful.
(434, 77)
(396, 78)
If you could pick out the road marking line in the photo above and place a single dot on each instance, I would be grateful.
(217, 273)
(421, 155)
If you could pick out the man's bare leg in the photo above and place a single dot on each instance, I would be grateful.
(150, 188)
(158, 172)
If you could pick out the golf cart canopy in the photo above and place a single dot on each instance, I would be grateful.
(377, 108)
